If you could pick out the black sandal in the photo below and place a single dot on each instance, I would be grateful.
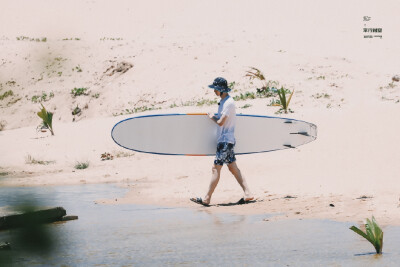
(198, 200)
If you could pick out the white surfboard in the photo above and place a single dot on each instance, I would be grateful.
(194, 134)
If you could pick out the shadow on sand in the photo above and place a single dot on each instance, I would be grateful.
(240, 202)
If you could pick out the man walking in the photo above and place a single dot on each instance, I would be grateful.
(226, 120)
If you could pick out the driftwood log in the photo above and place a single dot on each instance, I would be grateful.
(35, 217)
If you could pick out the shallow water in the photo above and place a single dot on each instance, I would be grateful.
(139, 235)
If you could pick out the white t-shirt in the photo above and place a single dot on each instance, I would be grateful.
(226, 132)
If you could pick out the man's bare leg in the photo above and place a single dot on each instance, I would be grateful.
(233, 168)
(216, 173)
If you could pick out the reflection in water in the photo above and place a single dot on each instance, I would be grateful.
(141, 235)
(220, 219)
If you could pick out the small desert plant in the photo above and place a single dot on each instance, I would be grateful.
(70, 39)
(206, 102)
(78, 91)
(255, 73)
(77, 69)
(274, 102)
(42, 98)
(200, 103)
(123, 154)
(322, 95)
(11, 83)
(2, 125)
(188, 103)
(373, 233)
(23, 38)
(283, 102)
(47, 120)
(81, 165)
(111, 39)
(364, 197)
(31, 160)
(76, 111)
(138, 109)
(244, 96)
(35, 98)
(268, 89)
(6, 94)
(106, 156)
(246, 106)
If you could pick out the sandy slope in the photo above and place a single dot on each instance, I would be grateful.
(177, 48)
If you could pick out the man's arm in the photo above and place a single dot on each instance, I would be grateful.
(219, 121)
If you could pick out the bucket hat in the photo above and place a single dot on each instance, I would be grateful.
(221, 85)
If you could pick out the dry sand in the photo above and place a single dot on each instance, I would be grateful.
(341, 82)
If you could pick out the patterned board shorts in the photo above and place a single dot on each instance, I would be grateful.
(225, 154)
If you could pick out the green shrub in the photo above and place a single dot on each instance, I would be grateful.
(2, 125)
(111, 39)
(23, 38)
(106, 156)
(81, 165)
(321, 95)
(283, 101)
(206, 102)
(79, 91)
(123, 154)
(246, 95)
(70, 39)
(77, 69)
(6, 94)
(246, 106)
(42, 98)
(76, 110)
(255, 73)
(31, 160)
(47, 119)
(11, 83)
(137, 110)
(174, 105)
(373, 233)
(232, 85)
(35, 99)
